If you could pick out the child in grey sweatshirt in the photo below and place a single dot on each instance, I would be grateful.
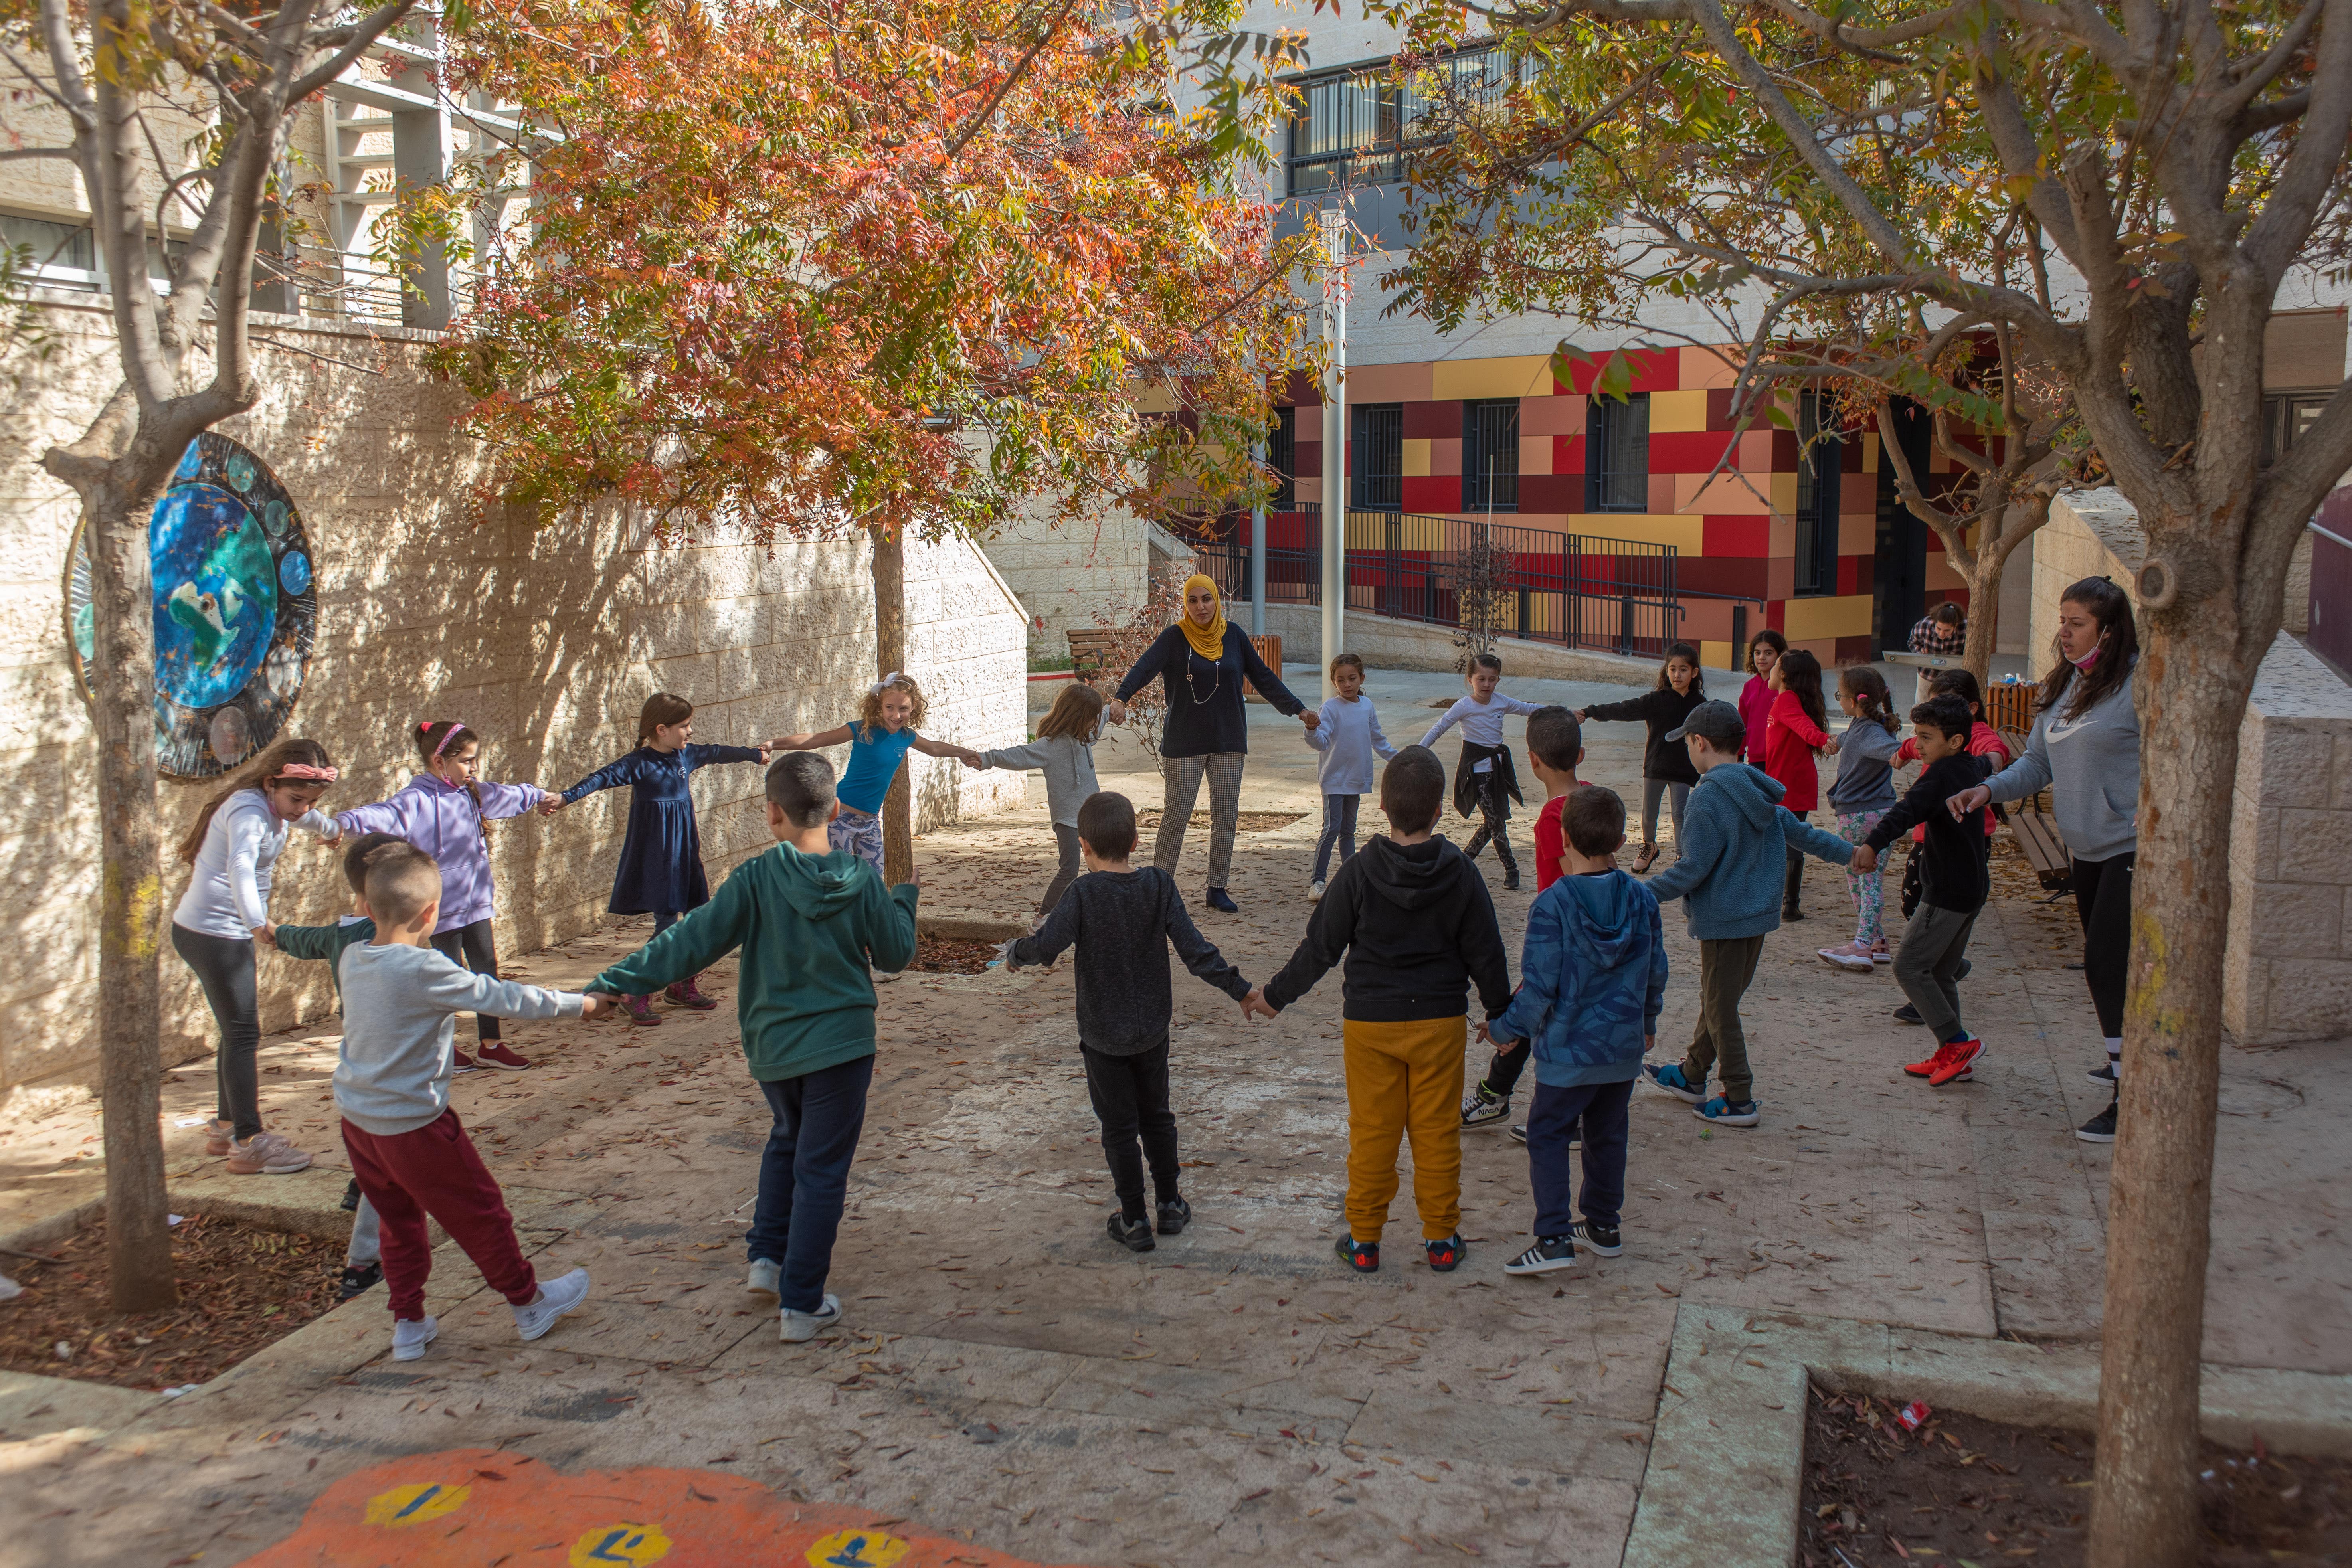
(1065, 751)
(408, 1149)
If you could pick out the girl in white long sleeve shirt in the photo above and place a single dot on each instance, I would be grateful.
(1350, 736)
(1485, 783)
(235, 842)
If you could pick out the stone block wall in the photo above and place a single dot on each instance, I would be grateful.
(1068, 573)
(546, 641)
(2290, 971)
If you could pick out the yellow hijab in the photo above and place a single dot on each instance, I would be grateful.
(1208, 641)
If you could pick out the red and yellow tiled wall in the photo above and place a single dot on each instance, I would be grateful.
(1734, 535)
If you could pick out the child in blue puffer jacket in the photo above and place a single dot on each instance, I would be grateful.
(1592, 980)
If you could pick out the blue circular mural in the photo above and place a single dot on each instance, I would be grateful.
(235, 608)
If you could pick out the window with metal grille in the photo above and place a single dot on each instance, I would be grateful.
(2286, 417)
(1282, 457)
(1490, 455)
(1820, 461)
(1617, 454)
(1376, 457)
(1355, 127)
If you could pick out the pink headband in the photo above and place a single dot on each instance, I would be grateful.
(306, 773)
(456, 728)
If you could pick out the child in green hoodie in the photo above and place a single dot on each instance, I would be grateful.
(813, 923)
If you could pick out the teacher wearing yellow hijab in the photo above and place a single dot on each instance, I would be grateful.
(1201, 662)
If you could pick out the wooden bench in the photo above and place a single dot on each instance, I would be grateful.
(2036, 834)
(1088, 649)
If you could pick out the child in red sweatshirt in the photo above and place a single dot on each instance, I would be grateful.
(1794, 733)
(1555, 746)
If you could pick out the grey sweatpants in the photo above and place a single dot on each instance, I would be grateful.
(1927, 966)
(367, 1245)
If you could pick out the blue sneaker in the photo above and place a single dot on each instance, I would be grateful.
(1670, 1079)
(1724, 1113)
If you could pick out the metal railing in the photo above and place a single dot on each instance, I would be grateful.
(1616, 595)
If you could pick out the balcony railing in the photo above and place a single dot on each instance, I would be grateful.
(1613, 595)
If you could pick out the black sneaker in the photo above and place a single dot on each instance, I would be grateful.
(2099, 1129)
(1135, 1235)
(1962, 973)
(1482, 1107)
(1511, 880)
(1446, 1256)
(1602, 1240)
(359, 1282)
(1174, 1215)
(1519, 1134)
(351, 1196)
(2104, 1075)
(1548, 1256)
(1363, 1257)
(1792, 912)
(1907, 1013)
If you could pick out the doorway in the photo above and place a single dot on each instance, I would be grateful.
(1900, 578)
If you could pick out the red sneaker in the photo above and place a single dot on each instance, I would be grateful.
(460, 1062)
(498, 1053)
(1957, 1062)
(685, 994)
(1926, 1069)
(640, 1010)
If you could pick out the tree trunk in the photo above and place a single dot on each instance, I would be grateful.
(2192, 692)
(1984, 617)
(889, 657)
(130, 1017)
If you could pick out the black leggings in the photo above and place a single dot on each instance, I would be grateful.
(223, 966)
(471, 947)
(1494, 824)
(2103, 900)
(1131, 1096)
(1794, 887)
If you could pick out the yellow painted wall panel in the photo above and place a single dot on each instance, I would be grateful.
(1673, 411)
(1687, 534)
(1519, 375)
(1845, 615)
(1784, 495)
(1870, 452)
(1416, 458)
(1715, 655)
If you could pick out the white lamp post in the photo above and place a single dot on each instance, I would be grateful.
(1335, 440)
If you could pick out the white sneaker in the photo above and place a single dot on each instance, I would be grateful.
(1847, 956)
(798, 1328)
(1315, 892)
(556, 1297)
(409, 1337)
(767, 1274)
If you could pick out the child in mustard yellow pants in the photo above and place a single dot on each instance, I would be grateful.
(1410, 917)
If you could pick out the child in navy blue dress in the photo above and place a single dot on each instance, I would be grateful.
(879, 739)
(661, 859)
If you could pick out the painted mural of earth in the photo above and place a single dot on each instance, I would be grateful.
(215, 594)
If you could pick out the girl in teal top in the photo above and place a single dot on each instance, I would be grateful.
(879, 739)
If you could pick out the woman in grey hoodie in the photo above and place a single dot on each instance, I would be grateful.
(2085, 748)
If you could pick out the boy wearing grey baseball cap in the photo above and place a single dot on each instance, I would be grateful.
(1736, 839)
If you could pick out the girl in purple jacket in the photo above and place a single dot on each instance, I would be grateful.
(447, 811)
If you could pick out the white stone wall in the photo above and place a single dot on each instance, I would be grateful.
(1074, 574)
(2290, 973)
(547, 641)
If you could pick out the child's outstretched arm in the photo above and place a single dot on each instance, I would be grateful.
(1531, 1008)
(1483, 953)
(1199, 954)
(611, 776)
(1049, 942)
(1805, 838)
(315, 941)
(699, 939)
(1446, 721)
(501, 801)
(1015, 759)
(930, 748)
(1330, 929)
(704, 756)
(1319, 737)
(813, 740)
(1381, 746)
(1703, 849)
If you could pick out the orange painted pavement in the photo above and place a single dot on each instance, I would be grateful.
(474, 1508)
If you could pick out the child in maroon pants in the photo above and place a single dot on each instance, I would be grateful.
(410, 1155)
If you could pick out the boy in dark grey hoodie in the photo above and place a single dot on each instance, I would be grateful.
(1734, 866)
(1411, 915)
(1122, 920)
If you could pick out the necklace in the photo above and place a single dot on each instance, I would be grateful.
(1216, 680)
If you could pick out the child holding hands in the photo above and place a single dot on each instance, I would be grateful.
(879, 739)
(409, 1151)
(1065, 751)
(1122, 920)
(1592, 980)
(1350, 736)
(661, 857)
